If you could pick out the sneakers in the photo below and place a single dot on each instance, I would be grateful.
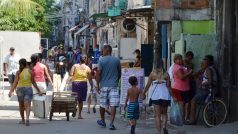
(112, 127)
(101, 123)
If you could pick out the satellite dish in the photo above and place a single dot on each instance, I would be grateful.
(128, 25)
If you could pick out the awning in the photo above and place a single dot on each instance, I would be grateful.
(82, 29)
(99, 15)
(73, 28)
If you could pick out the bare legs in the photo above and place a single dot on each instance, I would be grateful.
(102, 113)
(88, 102)
(193, 111)
(160, 113)
(80, 106)
(21, 110)
(182, 107)
(25, 106)
(112, 114)
(188, 111)
(133, 126)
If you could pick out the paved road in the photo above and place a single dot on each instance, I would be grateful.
(9, 118)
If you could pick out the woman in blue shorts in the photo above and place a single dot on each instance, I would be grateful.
(23, 82)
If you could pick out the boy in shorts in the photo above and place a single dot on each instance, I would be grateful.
(133, 94)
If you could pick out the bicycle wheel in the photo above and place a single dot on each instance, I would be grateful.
(214, 113)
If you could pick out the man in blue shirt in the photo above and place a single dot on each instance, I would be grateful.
(77, 55)
(108, 75)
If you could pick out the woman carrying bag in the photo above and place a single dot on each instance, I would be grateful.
(160, 97)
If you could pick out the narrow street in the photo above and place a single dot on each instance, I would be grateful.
(171, 65)
(9, 118)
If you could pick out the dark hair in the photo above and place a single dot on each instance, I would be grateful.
(83, 58)
(108, 47)
(34, 59)
(189, 53)
(137, 51)
(160, 64)
(12, 48)
(40, 56)
(177, 56)
(210, 59)
(70, 49)
(133, 80)
(22, 63)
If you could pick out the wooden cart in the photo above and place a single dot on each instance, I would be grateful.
(63, 102)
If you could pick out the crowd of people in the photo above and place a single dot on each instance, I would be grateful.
(178, 84)
(28, 77)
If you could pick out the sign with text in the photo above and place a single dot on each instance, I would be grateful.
(125, 85)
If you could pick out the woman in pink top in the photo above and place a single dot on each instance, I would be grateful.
(180, 86)
(40, 73)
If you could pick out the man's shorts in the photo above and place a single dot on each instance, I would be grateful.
(109, 96)
(11, 78)
(133, 111)
(24, 93)
(201, 96)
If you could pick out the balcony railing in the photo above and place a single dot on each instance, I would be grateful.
(137, 4)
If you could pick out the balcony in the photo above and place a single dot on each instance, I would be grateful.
(138, 4)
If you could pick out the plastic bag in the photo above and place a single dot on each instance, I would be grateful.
(175, 114)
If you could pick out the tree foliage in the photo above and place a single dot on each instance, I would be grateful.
(25, 15)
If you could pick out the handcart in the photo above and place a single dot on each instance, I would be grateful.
(63, 102)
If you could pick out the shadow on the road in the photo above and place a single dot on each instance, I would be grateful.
(10, 108)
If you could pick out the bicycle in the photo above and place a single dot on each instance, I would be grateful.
(215, 110)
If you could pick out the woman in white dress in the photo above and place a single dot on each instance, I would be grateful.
(160, 97)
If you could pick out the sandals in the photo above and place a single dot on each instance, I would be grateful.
(94, 110)
(22, 122)
(80, 117)
(27, 123)
(165, 131)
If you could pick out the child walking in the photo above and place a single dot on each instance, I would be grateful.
(92, 95)
(133, 94)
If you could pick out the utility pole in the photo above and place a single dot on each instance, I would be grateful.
(157, 45)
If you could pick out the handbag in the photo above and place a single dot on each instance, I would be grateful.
(150, 101)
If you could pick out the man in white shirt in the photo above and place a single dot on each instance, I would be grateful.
(11, 65)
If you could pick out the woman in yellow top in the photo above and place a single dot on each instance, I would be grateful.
(80, 73)
(24, 82)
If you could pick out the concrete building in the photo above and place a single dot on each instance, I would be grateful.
(124, 24)
(227, 31)
(185, 25)
(74, 18)
(204, 27)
